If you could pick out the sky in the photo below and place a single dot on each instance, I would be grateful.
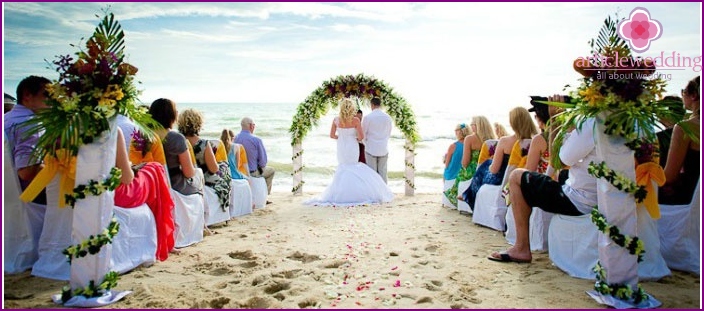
(446, 56)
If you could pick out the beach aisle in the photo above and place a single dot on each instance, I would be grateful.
(411, 253)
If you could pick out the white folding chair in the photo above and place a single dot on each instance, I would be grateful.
(680, 233)
(20, 237)
(573, 246)
(539, 225)
(214, 213)
(135, 244)
(462, 206)
(241, 202)
(447, 185)
(490, 207)
(259, 191)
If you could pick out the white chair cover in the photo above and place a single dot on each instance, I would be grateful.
(490, 207)
(135, 243)
(447, 185)
(259, 191)
(680, 232)
(189, 218)
(462, 206)
(55, 237)
(486, 210)
(241, 198)
(573, 246)
(538, 229)
(20, 236)
(213, 212)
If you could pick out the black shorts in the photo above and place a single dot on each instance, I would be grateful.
(539, 190)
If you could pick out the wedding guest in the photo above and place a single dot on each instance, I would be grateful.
(491, 172)
(256, 153)
(217, 174)
(676, 105)
(377, 131)
(481, 131)
(31, 97)
(532, 189)
(362, 159)
(500, 130)
(538, 157)
(182, 172)
(236, 156)
(453, 157)
(682, 168)
(9, 103)
(146, 183)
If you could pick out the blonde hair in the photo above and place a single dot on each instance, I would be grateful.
(226, 138)
(484, 129)
(348, 110)
(521, 123)
(464, 130)
(500, 130)
(190, 122)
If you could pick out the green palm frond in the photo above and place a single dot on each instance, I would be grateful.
(110, 29)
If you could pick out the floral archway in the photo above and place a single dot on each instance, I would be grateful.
(362, 88)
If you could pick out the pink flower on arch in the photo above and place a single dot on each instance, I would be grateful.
(639, 30)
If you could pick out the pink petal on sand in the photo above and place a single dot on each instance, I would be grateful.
(398, 283)
(382, 288)
(394, 268)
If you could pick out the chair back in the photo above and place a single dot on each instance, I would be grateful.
(487, 151)
(155, 153)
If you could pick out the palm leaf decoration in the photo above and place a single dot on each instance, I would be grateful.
(90, 92)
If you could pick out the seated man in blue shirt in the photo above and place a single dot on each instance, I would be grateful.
(256, 153)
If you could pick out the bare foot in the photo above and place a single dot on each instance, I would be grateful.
(509, 256)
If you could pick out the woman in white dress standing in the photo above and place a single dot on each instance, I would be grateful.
(354, 183)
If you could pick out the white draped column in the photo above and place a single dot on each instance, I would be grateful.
(410, 171)
(297, 169)
(93, 214)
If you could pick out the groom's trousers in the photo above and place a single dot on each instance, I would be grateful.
(378, 164)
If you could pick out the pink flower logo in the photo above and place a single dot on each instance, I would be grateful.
(639, 30)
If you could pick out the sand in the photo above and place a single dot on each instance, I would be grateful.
(412, 253)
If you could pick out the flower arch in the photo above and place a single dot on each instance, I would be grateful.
(362, 88)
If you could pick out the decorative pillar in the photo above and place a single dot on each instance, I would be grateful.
(409, 174)
(93, 214)
(297, 169)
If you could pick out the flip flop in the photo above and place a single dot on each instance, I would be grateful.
(505, 257)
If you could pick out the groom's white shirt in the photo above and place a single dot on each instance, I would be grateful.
(377, 131)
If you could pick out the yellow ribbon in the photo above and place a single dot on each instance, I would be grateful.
(155, 154)
(221, 154)
(484, 152)
(190, 149)
(646, 173)
(517, 159)
(63, 164)
(242, 162)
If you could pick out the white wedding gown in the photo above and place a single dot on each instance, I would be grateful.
(354, 183)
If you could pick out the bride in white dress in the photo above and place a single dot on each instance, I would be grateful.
(354, 183)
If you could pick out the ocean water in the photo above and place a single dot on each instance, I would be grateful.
(436, 129)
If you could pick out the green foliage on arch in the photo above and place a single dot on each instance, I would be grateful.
(360, 86)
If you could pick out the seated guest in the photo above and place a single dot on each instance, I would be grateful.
(532, 189)
(480, 132)
(676, 105)
(256, 153)
(500, 130)
(682, 168)
(182, 172)
(539, 153)
(31, 97)
(453, 157)
(146, 183)
(236, 156)
(217, 174)
(491, 172)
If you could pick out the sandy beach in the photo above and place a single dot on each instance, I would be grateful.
(412, 253)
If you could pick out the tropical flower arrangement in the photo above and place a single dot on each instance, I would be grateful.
(628, 99)
(92, 88)
(359, 87)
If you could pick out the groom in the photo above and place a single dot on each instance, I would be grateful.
(377, 130)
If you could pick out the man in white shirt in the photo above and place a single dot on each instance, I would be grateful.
(531, 189)
(377, 131)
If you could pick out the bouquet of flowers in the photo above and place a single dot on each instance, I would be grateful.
(92, 88)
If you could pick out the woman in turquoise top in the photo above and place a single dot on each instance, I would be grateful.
(481, 130)
(453, 157)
